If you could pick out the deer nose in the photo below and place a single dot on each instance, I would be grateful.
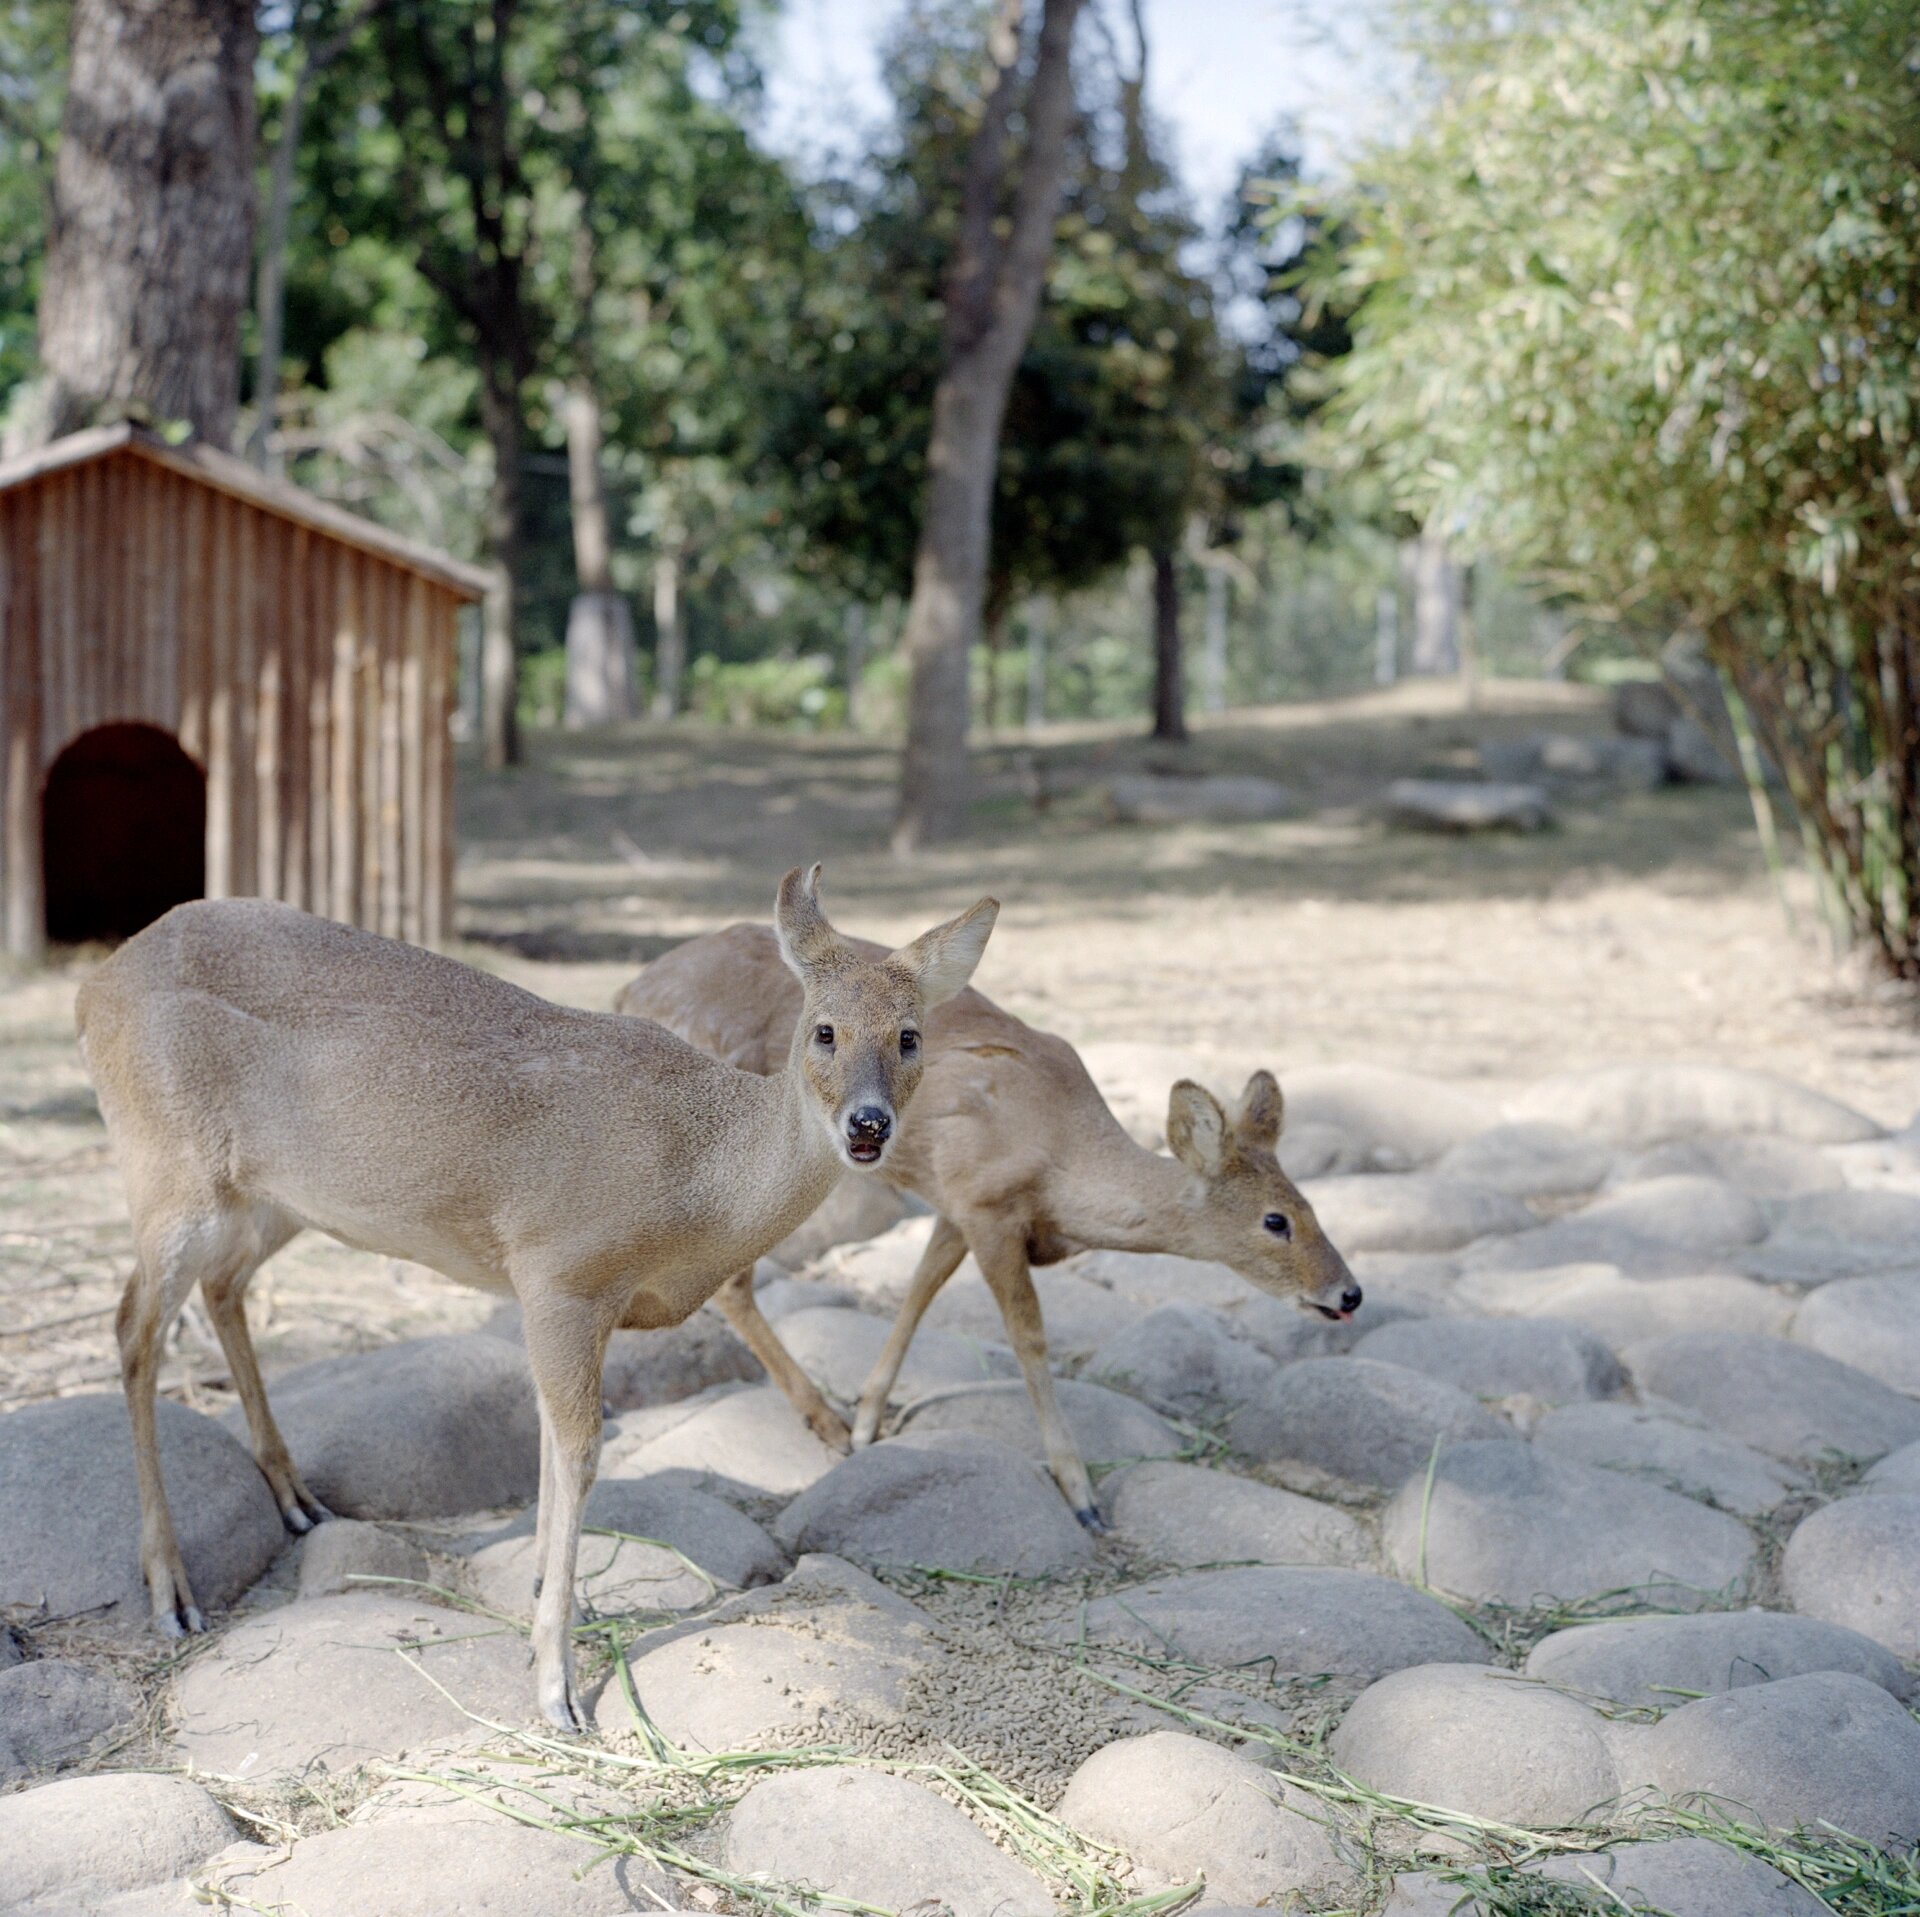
(1350, 1298)
(870, 1122)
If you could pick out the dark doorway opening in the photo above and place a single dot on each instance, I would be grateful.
(123, 832)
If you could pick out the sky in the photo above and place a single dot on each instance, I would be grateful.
(1222, 74)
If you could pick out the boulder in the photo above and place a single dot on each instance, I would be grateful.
(1670, 1449)
(1693, 1875)
(1577, 1239)
(879, 1271)
(1501, 1357)
(1897, 1471)
(1154, 1278)
(1181, 1807)
(1693, 1212)
(1779, 1397)
(742, 1443)
(1623, 1311)
(429, 1428)
(1183, 1360)
(1660, 1662)
(1295, 1622)
(1644, 709)
(1411, 1212)
(102, 1835)
(819, 1827)
(1857, 1562)
(1571, 758)
(1187, 1515)
(660, 1367)
(1651, 1104)
(1528, 1161)
(858, 1208)
(70, 1515)
(1479, 1741)
(328, 1683)
(1872, 1324)
(838, 1349)
(1107, 1427)
(780, 1298)
(1459, 805)
(1503, 1522)
(962, 1504)
(1160, 799)
(1357, 1419)
(1837, 1234)
(614, 1577)
(347, 1555)
(1079, 1316)
(1828, 1748)
(53, 1712)
(1763, 1167)
(1386, 1109)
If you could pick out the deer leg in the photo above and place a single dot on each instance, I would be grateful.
(938, 1263)
(226, 1294)
(1004, 1265)
(566, 1347)
(738, 1306)
(543, 1503)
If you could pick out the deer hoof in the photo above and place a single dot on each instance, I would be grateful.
(1092, 1520)
(563, 1712)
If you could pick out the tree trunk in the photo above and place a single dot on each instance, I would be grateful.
(499, 644)
(669, 630)
(1038, 617)
(600, 648)
(856, 628)
(1386, 636)
(270, 296)
(992, 295)
(1219, 598)
(151, 235)
(1169, 669)
(1436, 608)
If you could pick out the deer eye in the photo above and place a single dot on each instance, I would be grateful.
(909, 1044)
(1279, 1224)
(823, 1035)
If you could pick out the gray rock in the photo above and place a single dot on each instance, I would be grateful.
(615, 1577)
(1641, 1105)
(1504, 1522)
(347, 1555)
(1690, 1875)
(1625, 1311)
(1479, 1741)
(454, 1862)
(1672, 1451)
(1662, 1661)
(52, 1712)
(819, 1827)
(1150, 799)
(1408, 1114)
(1154, 1278)
(1765, 1168)
(1897, 1471)
(965, 1504)
(1528, 1161)
(1181, 1807)
(1299, 1622)
(745, 1443)
(1872, 1324)
(103, 1834)
(1108, 1427)
(858, 1208)
(879, 1270)
(1411, 1212)
(328, 1683)
(1580, 1240)
(70, 1516)
(1837, 1234)
(1570, 758)
(1500, 1358)
(780, 1298)
(1187, 1515)
(838, 1350)
(1357, 1419)
(1857, 1562)
(429, 1428)
(1778, 1397)
(1644, 709)
(1456, 805)
(1828, 1748)
(1080, 1317)
(1183, 1360)
(1685, 1209)
(660, 1367)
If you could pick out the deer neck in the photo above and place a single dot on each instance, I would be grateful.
(1115, 1195)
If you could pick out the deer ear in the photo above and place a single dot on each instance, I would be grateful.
(942, 960)
(1197, 1129)
(1262, 1112)
(806, 939)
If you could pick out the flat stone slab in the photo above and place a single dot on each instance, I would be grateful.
(1497, 1358)
(430, 1428)
(70, 1515)
(1412, 1211)
(1300, 1622)
(324, 1684)
(960, 1504)
(737, 1444)
(102, 1835)
(1624, 1311)
(1528, 1161)
(1671, 1449)
(1187, 1515)
(1108, 1427)
(1458, 805)
(1181, 1807)
(1872, 1324)
(1357, 1419)
(1183, 1360)
(838, 1349)
(53, 1712)
(1857, 1562)
(880, 1840)
(1642, 1105)
(1662, 1661)
(1502, 1521)
(1778, 1397)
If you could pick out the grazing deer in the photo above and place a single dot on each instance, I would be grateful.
(262, 1071)
(1012, 1145)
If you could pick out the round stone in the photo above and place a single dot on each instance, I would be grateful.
(1185, 1514)
(1857, 1562)
(1498, 1358)
(1872, 1324)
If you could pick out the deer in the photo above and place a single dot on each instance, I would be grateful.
(263, 1072)
(1023, 1163)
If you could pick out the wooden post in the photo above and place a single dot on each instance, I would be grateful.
(26, 912)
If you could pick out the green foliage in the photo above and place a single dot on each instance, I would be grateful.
(33, 47)
(1640, 306)
(794, 693)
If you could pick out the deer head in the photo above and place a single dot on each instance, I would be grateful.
(857, 1046)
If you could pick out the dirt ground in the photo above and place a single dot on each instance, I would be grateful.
(1641, 926)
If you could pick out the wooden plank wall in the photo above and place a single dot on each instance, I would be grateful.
(312, 680)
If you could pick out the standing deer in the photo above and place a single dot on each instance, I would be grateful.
(1023, 1163)
(262, 1071)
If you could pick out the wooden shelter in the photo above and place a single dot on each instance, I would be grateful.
(214, 684)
